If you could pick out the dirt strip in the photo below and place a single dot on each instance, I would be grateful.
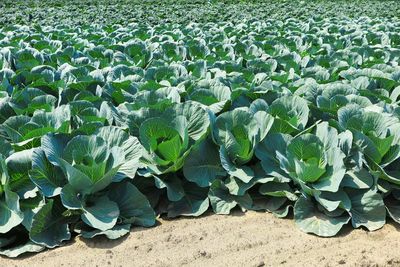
(250, 239)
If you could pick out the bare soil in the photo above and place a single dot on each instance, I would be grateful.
(241, 239)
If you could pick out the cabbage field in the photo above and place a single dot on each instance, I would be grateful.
(110, 118)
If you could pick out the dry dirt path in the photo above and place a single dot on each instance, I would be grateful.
(251, 239)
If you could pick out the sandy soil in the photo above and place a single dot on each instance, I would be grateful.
(251, 239)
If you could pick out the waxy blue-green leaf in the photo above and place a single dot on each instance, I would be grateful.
(367, 209)
(49, 226)
(290, 113)
(202, 166)
(134, 208)
(100, 213)
(130, 147)
(47, 177)
(116, 232)
(310, 220)
(172, 184)
(10, 212)
(29, 247)
(194, 203)
(222, 202)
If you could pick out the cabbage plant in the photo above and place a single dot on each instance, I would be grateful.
(237, 132)
(315, 163)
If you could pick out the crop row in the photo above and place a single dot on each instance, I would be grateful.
(106, 127)
(111, 12)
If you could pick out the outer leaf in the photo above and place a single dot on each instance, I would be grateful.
(310, 220)
(49, 179)
(116, 232)
(367, 209)
(393, 208)
(134, 208)
(277, 190)
(202, 166)
(222, 202)
(130, 146)
(197, 118)
(10, 213)
(358, 179)
(194, 203)
(102, 214)
(21, 249)
(53, 146)
(243, 173)
(49, 227)
(173, 185)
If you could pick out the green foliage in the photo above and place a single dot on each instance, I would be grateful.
(86, 12)
(103, 128)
